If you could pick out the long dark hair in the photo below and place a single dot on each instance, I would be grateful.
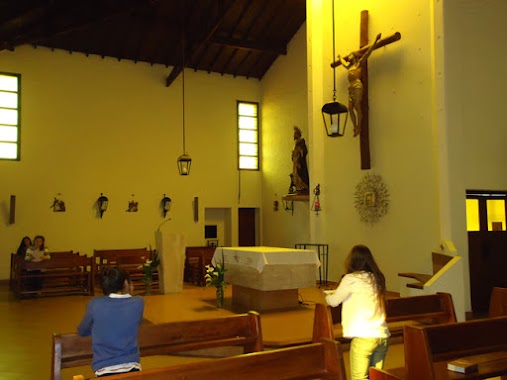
(361, 259)
(23, 247)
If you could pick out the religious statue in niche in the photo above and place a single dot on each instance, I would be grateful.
(300, 181)
(354, 65)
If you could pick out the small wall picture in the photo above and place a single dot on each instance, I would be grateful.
(58, 205)
(133, 206)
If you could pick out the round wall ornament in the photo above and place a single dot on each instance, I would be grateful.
(371, 198)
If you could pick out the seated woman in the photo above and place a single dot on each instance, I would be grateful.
(23, 246)
(37, 252)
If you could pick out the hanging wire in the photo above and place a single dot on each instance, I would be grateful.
(183, 74)
(334, 55)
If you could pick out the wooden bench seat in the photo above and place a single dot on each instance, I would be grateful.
(63, 274)
(428, 349)
(244, 330)
(426, 309)
(312, 361)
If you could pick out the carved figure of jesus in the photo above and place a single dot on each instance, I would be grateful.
(354, 65)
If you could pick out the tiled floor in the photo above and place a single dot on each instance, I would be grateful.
(28, 325)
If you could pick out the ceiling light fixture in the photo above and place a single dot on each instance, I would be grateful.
(184, 161)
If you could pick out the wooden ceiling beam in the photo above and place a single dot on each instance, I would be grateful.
(173, 75)
(197, 47)
(250, 46)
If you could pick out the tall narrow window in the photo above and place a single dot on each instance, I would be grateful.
(9, 116)
(248, 135)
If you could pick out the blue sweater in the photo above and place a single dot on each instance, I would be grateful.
(113, 324)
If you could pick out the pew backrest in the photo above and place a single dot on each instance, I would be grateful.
(65, 273)
(106, 257)
(426, 345)
(425, 309)
(72, 350)
(311, 361)
(498, 302)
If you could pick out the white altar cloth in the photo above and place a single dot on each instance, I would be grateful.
(269, 268)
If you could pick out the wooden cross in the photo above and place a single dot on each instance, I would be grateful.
(363, 48)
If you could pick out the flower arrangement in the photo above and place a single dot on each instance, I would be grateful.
(215, 275)
(149, 267)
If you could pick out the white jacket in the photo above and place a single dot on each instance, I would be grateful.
(361, 313)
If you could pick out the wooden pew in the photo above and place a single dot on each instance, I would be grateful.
(15, 261)
(428, 349)
(311, 361)
(196, 259)
(64, 274)
(244, 330)
(426, 309)
(131, 259)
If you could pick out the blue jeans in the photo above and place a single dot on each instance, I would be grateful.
(366, 353)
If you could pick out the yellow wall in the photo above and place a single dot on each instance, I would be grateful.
(435, 127)
(401, 140)
(284, 105)
(92, 125)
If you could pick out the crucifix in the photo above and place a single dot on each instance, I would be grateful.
(357, 65)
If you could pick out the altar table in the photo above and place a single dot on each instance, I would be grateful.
(267, 278)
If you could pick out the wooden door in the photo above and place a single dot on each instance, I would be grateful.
(247, 227)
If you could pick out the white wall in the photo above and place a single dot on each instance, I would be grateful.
(92, 125)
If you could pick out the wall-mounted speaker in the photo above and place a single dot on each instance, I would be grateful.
(12, 210)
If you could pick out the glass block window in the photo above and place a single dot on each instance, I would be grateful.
(248, 135)
(9, 116)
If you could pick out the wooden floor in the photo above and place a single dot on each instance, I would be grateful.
(28, 325)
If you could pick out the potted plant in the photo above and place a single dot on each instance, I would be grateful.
(215, 277)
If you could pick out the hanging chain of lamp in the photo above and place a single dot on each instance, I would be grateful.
(331, 111)
(184, 161)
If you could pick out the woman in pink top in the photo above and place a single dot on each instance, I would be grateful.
(362, 293)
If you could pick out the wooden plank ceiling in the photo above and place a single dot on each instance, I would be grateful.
(236, 37)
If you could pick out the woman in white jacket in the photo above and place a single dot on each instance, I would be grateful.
(362, 293)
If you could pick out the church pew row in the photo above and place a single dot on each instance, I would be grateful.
(15, 264)
(132, 259)
(426, 309)
(65, 273)
(311, 361)
(428, 349)
(244, 330)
